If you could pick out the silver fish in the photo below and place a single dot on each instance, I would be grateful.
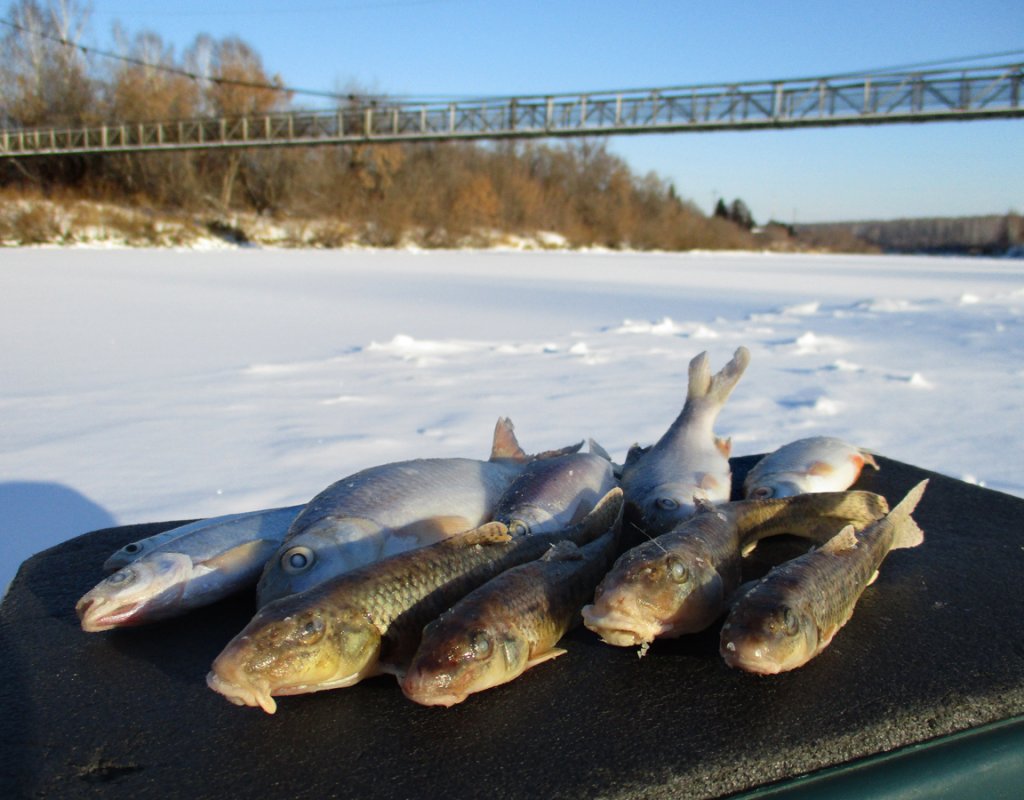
(508, 625)
(194, 569)
(553, 493)
(688, 463)
(793, 613)
(815, 464)
(391, 508)
(682, 581)
(135, 550)
(369, 621)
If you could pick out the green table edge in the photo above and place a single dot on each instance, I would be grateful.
(984, 762)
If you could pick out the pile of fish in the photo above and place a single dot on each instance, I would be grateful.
(457, 575)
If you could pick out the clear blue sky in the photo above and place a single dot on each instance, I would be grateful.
(471, 47)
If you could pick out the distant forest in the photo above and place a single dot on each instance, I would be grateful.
(440, 192)
(434, 195)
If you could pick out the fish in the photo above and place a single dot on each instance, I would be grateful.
(793, 613)
(391, 508)
(369, 621)
(682, 581)
(507, 626)
(688, 463)
(815, 464)
(553, 493)
(140, 547)
(196, 568)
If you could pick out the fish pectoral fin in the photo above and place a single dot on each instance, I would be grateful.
(820, 469)
(562, 551)
(434, 529)
(708, 482)
(237, 558)
(724, 446)
(873, 578)
(488, 533)
(547, 655)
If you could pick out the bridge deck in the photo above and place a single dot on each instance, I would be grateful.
(968, 94)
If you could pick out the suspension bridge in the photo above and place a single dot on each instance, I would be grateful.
(974, 93)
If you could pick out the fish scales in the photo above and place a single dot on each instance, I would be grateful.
(518, 618)
(434, 486)
(553, 493)
(793, 613)
(392, 508)
(681, 581)
(369, 620)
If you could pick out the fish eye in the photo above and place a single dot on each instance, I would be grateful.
(789, 621)
(666, 504)
(297, 559)
(132, 548)
(312, 631)
(480, 643)
(678, 571)
(518, 528)
(762, 492)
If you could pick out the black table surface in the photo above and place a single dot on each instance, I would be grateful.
(935, 646)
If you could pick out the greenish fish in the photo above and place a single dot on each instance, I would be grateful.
(682, 581)
(793, 613)
(369, 621)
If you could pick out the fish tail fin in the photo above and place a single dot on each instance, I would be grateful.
(869, 460)
(597, 450)
(715, 389)
(908, 533)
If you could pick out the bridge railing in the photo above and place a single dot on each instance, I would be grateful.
(977, 93)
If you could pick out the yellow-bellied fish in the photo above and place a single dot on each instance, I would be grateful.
(815, 464)
(391, 508)
(369, 621)
(682, 581)
(688, 463)
(793, 613)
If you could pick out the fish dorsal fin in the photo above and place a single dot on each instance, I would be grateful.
(724, 446)
(634, 454)
(505, 444)
(597, 450)
(488, 533)
(820, 468)
(846, 539)
(562, 551)
(561, 451)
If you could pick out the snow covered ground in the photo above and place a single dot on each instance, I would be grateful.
(150, 385)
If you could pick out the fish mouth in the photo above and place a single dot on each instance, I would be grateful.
(241, 694)
(750, 658)
(433, 698)
(95, 618)
(620, 629)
